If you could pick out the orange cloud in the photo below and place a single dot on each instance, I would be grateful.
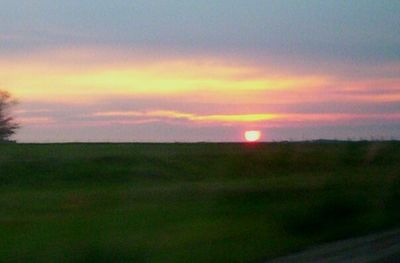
(90, 75)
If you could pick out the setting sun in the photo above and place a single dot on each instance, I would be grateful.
(252, 136)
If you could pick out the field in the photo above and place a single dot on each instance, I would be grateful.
(191, 202)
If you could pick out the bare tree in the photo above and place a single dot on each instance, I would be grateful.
(8, 126)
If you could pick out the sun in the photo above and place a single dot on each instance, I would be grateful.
(252, 136)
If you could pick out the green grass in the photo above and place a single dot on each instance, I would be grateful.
(191, 202)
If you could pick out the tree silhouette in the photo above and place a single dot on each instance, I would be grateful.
(8, 126)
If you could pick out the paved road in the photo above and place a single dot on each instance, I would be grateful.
(383, 247)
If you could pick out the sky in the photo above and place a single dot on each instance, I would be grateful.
(190, 71)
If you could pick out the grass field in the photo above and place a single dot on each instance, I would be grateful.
(191, 202)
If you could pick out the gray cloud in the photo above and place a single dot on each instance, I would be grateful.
(364, 31)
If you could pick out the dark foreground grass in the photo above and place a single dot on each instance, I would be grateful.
(191, 202)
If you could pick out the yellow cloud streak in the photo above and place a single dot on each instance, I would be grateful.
(193, 117)
(241, 118)
(41, 81)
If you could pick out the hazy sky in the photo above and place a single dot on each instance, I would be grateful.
(163, 70)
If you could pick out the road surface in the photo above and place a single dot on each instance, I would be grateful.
(383, 247)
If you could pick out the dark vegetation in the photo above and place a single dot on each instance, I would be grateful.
(191, 202)
(8, 126)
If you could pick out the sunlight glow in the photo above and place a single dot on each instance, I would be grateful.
(252, 136)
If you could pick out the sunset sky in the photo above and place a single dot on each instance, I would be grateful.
(170, 70)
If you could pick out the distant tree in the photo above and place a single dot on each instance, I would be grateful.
(8, 126)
